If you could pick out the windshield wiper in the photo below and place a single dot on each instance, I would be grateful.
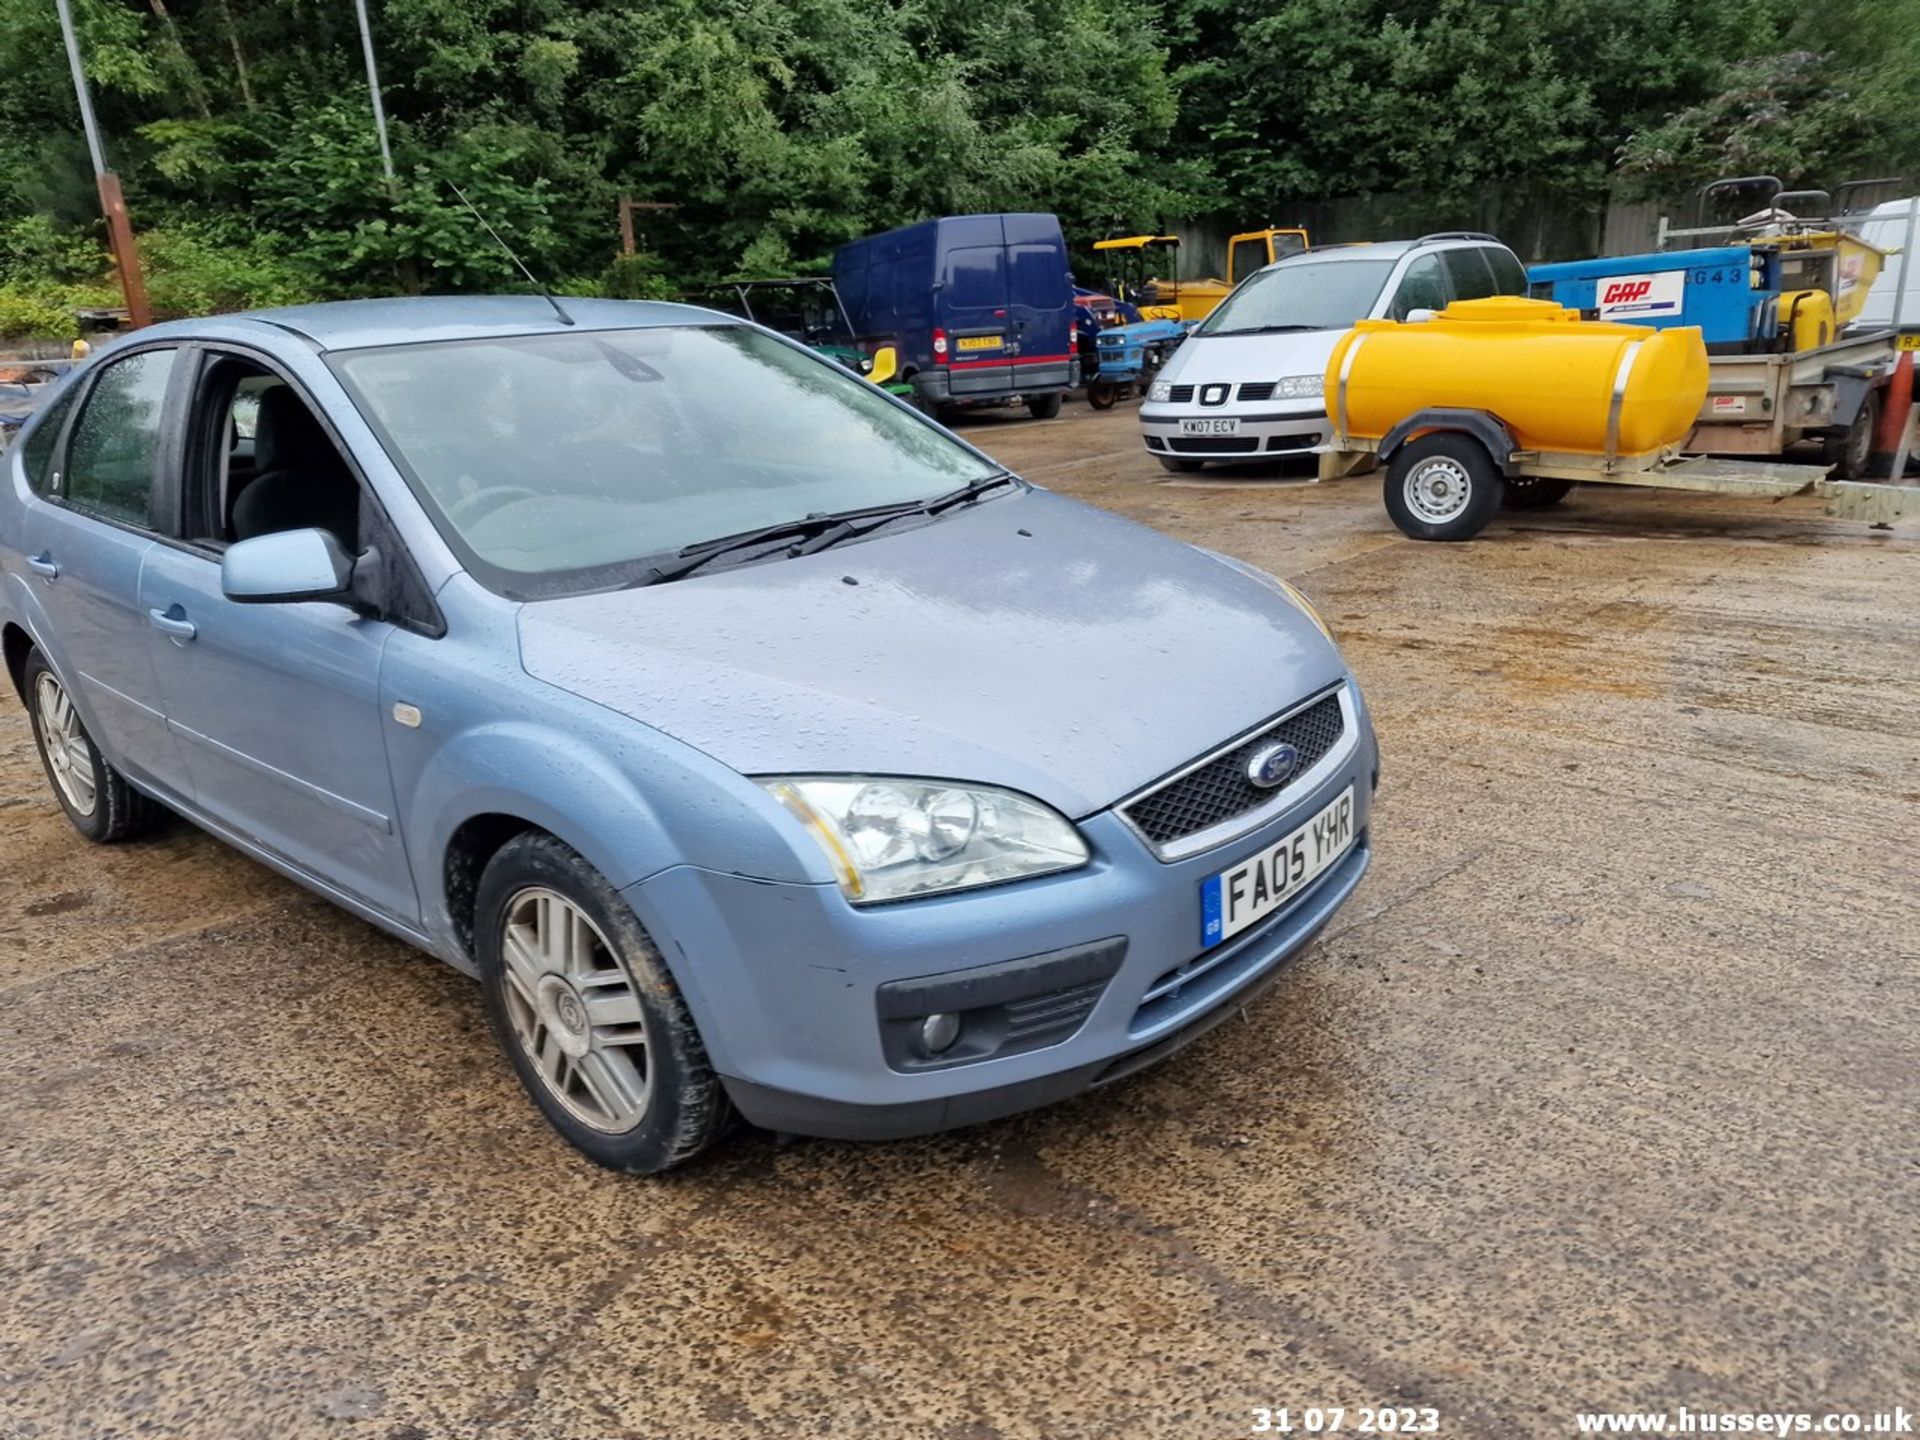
(848, 529)
(1267, 330)
(814, 532)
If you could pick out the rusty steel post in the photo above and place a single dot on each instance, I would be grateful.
(126, 250)
(126, 253)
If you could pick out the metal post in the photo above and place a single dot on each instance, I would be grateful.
(87, 122)
(126, 253)
(373, 88)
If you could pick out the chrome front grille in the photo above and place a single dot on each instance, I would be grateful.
(1215, 791)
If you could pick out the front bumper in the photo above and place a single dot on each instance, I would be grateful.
(791, 985)
(1264, 431)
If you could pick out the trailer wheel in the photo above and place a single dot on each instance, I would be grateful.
(1178, 467)
(1101, 395)
(1535, 492)
(1852, 454)
(1442, 487)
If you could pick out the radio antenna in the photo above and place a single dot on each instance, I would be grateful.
(565, 318)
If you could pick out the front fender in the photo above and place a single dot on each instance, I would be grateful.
(632, 803)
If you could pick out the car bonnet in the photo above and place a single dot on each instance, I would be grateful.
(1028, 642)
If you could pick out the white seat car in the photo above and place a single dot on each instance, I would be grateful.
(1247, 384)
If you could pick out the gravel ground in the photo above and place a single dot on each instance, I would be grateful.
(1600, 1094)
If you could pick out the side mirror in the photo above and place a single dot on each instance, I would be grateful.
(1421, 316)
(290, 566)
(886, 364)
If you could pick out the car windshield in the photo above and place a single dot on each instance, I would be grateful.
(1305, 294)
(556, 464)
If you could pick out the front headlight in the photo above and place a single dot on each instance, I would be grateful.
(1159, 392)
(1300, 387)
(887, 839)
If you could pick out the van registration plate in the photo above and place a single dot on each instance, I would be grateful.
(982, 342)
(1209, 427)
(1261, 884)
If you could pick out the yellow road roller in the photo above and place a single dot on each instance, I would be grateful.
(1514, 401)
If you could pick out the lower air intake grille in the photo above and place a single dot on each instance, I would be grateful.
(1214, 445)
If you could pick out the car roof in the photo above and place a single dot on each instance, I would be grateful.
(409, 319)
(1389, 249)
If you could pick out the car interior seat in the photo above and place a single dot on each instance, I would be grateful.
(300, 481)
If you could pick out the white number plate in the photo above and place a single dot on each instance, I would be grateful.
(1261, 884)
(1209, 427)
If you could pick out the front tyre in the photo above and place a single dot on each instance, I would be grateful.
(96, 797)
(589, 1015)
(1101, 395)
(1442, 487)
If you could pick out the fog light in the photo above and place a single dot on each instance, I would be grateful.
(938, 1032)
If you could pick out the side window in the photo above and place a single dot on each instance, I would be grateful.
(263, 462)
(1248, 256)
(977, 278)
(37, 454)
(1508, 273)
(1467, 270)
(1039, 277)
(110, 459)
(1421, 288)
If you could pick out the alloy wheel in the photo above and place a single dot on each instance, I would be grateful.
(69, 752)
(576, 1011)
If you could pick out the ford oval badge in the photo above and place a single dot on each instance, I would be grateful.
(1272, 766)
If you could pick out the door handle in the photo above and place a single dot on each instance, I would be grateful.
(42, 564)
(172, 622)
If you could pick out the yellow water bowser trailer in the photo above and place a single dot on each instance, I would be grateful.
(1512, 401)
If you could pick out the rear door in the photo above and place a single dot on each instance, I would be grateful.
(86, 535)
(1039, 302)
(973, 307)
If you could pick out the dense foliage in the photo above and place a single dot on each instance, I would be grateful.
(778, 128)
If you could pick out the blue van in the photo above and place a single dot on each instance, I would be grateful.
(980, 307)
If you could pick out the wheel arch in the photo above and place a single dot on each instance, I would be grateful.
(1490, 430)
(15, 645)
(469, 849)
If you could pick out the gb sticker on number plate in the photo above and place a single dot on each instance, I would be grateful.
(1261, 884)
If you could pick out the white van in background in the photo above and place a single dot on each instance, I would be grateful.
(1887, 228)
(1247, 384)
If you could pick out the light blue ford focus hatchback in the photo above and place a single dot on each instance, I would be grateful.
(760, 746)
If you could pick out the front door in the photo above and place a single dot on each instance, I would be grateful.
(275, 707)
(86, 536)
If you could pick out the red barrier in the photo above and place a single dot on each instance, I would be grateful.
(1896, 401)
